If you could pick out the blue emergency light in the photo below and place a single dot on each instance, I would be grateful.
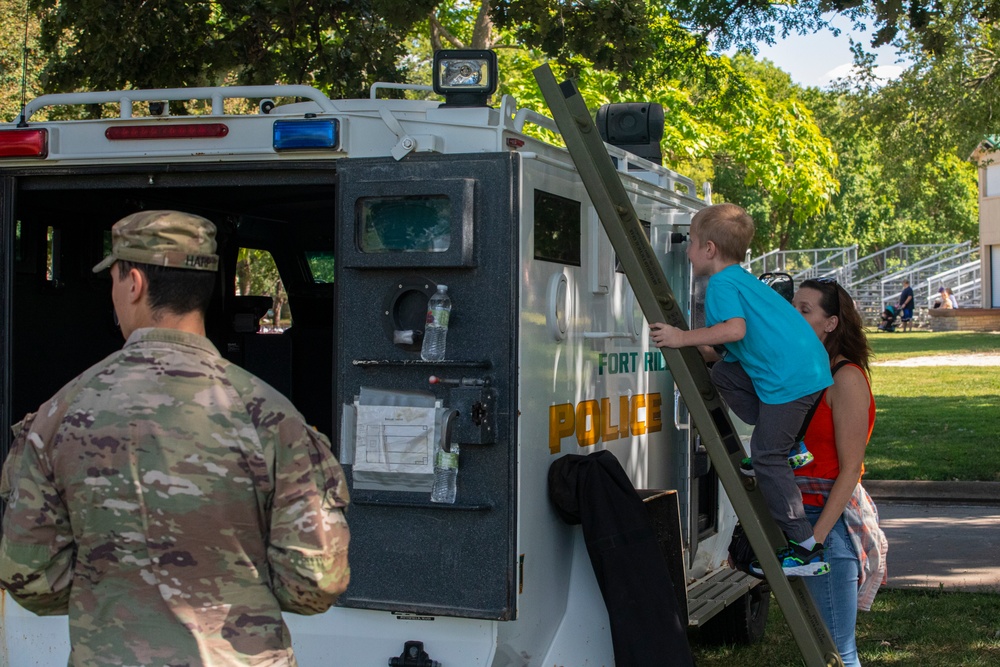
(308, 134)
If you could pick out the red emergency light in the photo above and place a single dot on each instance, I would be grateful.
(149, 131)
(24, 143)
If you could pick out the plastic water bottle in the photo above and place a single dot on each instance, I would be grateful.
(445, 475)
(436, 329)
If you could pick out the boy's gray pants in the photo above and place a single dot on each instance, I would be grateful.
(774, 433)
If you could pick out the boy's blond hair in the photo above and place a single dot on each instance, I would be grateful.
(728, 226)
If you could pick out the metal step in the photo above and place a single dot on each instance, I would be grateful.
(710, 596)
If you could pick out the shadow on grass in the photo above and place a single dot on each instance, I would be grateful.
(939, 442)
(904, 628)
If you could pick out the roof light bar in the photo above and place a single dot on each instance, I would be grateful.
(310, 134)
(24, 143)
(161, 131)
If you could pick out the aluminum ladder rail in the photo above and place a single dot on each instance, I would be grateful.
(710, 414)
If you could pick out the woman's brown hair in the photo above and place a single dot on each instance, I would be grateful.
(849, 338)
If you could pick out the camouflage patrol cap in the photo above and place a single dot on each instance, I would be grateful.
(163, 238)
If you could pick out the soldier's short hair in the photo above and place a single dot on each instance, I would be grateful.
(178, 291)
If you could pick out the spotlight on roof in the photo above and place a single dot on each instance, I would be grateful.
(466, 78)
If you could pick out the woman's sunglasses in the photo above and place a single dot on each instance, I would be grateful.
(827, 280)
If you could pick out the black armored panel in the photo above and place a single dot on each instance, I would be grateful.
(403, 228)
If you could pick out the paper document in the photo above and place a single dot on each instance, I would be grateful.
(397, 439)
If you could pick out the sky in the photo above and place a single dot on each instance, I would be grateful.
(819, 59)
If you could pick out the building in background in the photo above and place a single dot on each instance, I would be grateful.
(987, 158)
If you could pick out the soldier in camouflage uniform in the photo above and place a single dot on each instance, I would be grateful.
(167, 500)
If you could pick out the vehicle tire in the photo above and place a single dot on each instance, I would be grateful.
(742, 622)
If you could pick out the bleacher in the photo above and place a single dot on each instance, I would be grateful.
(875, 280)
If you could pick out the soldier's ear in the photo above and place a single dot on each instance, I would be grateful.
(138, 284)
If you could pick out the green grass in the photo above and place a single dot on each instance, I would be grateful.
(935, 422)
(905, 628)
(898, 345)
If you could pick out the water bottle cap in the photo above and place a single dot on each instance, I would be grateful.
(443, 288)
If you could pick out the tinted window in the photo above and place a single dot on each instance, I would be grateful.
(320, 266)
(557, 229)
(414, 223)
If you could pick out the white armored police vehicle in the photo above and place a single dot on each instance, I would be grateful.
(548, 353)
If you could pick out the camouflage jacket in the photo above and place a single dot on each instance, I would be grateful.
(173, 505)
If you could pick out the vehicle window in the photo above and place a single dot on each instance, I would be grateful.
(320, 266)
(557, 229)
(257, 276)
(53, 255)
(414, 223)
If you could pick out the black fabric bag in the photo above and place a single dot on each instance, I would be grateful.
(646, 628)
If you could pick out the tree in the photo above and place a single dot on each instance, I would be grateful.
(946, 99)
(739, 123)
(890, 192)
(863, 211)
(339, 46)
(774, 160)
(465, 13)
(19, 63)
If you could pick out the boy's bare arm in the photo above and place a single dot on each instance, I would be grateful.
(730, 331)
(709, 354)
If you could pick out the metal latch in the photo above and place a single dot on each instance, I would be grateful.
(474, 399)
(413, 655)
(409, 143)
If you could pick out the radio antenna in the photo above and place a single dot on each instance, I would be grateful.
(24, 68)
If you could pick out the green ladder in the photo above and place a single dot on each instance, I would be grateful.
(710, 414)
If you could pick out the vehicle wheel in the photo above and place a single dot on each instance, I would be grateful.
(742, 622)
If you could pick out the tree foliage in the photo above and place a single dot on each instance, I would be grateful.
(747, 23)
(866, 164)
(778, 164)
(947, 97)
(339, 46)
(890, 191)
(19, 60)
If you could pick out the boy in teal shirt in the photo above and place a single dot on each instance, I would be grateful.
(773, 371)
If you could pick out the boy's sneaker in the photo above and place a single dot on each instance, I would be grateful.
(799, 456)
(797, 561)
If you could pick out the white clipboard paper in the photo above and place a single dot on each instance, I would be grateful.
(395, 435)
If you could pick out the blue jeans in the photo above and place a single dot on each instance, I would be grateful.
(836, 593)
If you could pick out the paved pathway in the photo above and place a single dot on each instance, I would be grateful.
(949, 546)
